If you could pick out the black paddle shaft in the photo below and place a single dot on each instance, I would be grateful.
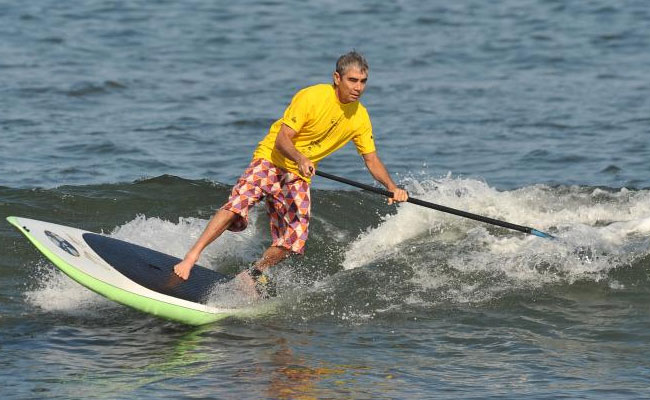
(449, 210)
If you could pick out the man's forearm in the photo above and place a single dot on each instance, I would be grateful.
(379, 172)
(285, 145)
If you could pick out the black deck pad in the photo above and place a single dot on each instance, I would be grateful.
(155, 270)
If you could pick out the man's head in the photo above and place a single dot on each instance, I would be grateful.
(350, 77)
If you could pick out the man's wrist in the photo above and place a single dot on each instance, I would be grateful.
(193, 258)
(301, 158)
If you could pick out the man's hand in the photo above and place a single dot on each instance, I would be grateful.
(283, 142)
(399, 196)
(306, 167)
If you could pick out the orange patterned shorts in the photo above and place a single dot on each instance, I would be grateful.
(288, 203)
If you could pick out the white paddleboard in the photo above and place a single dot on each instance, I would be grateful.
(129, 274)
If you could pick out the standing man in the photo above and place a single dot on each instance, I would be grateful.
(320, 120)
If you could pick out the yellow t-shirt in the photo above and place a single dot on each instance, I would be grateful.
(323, 125)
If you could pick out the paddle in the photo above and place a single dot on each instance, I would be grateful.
(449, 210)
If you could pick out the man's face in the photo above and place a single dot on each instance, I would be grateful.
(350, 85)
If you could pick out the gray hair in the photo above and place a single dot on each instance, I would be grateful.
(349, 60)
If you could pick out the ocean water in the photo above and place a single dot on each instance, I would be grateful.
(135, 118)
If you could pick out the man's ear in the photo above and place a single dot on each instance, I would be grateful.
(337, 78)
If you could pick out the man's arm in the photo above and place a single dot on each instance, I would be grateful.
(379, 172)
(284, 144)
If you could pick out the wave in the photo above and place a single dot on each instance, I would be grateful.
(365, 258)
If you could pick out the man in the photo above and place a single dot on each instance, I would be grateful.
(320, 120)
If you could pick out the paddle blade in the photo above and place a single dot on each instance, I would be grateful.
(541, 234)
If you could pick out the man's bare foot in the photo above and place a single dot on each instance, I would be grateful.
(183, 268)
(246, 284)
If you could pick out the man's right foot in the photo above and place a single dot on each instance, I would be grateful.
(264, 287)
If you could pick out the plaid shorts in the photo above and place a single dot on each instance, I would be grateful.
(288, 203)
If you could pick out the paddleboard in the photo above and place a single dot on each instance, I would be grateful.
(129, 274)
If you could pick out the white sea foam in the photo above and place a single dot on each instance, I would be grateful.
(56, 292)
(177, 238)
(596, 231)
(412, 221)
